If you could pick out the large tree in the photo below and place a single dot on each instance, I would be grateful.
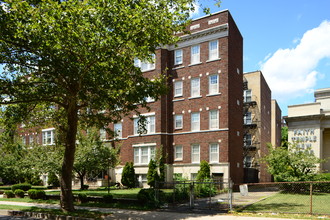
(75, 59)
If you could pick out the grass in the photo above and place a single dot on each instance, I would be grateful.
(292, 203)
(27, 199)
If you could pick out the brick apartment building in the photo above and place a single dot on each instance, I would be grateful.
(262, 125)
(201, 117)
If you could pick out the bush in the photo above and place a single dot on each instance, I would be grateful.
(205, 189)
(22, 186)
(82, 198)
(108, 198)
(19, 193)
(9, 194)
(128, 176)
(85, 187)
(53, 180)
(147, 196)
(36, 194)
(1, 183)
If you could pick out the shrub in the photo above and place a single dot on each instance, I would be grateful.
(22, 186)
(53, 180)
(152, 175)
(147, 196)
(85, 187)
(204, 171)
(9, 194)
(205, 189)
(82, 198)
(128, 176)
(19, 193)
(108, 198)
(1, 183)
(36, 194)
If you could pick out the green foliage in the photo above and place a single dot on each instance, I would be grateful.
(181, 190)
(108, 198)
(292, 164)
(128, 175)
(152, 175)
(53, 180)
(1, 183)
(147, 196)
(36, 194)
(205, 189)
(284, 137)
(92, 155)
(19, 193)
(9, 194)
(22, 186)
(161, 167)
(204, 171)
(82, 197)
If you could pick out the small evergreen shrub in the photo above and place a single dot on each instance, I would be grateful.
(152, 175)
(22, 186)
(9, 194)
(108, 198)
(82, 198)
(147, 196)
(36, 194)
(53, 180)
(19, 193)
(128, 176)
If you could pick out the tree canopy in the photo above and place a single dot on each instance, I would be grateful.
(64, 62)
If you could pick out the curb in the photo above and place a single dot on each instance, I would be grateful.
(44, 215)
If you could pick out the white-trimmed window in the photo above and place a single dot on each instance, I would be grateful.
(118, 128)
(31, 139)
(195, 87)
(143, 154)
(195, 54)
(23, 140)
(195, 153)
(145, 65)
(247, 162)
(213, 84)
(214, 119)
(178, 152)
(48, 136)
(247, 95)
(149, 125)
(213, 50)
(248, 118)
(214, 153)
(247, 140)
(178, 57)
(178, 88)
(178, 121)
(103, 134)
(195, 121)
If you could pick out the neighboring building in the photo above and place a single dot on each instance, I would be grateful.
(262, 126)
(201, 118)
(309, 126)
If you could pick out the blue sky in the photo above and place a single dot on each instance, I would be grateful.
(288, 40)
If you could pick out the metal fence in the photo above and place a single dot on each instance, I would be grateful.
(288, 197)
(212, 195)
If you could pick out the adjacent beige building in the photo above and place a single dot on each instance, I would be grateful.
(262, 126)
(309, 126)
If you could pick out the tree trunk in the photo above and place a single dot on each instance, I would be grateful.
(81, 177)
(69, 135)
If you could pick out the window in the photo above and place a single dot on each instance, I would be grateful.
(193, 176)
(178, 121)
(214, 119)
(178, 153)
(149, 127)
(247, 140)
(195, 153)
(178, 57)
(145, 65)
(48, 136)
(247, 118)
(103, 134)
(213, 50)
(195, 87)
(247, 95)
(118, 130)
(213, 84)
(143, 154)
(195, 122)
(31, 139)
(23, 140)
(214, 153)
(178, 88)
(247, 162)
(195, 54)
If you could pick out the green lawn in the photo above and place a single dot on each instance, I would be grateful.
(292, 203)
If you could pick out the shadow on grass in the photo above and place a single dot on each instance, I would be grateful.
(273, 207)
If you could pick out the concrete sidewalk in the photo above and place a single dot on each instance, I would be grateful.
(122, 214)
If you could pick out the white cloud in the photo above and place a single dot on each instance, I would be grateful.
(291, 72)
(196, 11)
